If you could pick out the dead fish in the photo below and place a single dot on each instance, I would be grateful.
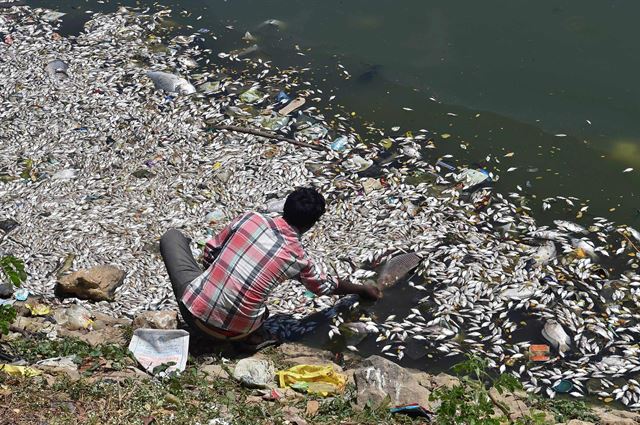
(549, 235)
(249, 37)
(545, 253)
(57, 69)
(570, 227)
(397, 267)
(170, 83)
(633, 232)
(556, 335)
(275, 23)
(248, 51)
(355, 332)
(522, 292)
(585, 247)
(188, 62)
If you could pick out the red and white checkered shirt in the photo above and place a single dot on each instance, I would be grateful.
(245, 262)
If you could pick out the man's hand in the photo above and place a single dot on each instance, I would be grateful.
(371, 292)
(367, 291)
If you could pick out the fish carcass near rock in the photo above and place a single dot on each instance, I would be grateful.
(476, 282)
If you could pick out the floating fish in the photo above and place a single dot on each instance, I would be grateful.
(555, 334)
(57, 70)
(397, 268)
(570, 227)
(170, 83)
(545, 253)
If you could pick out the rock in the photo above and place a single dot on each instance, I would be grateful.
(292, 415)
(517, 407)
(443, 380)
(6, 290)
(105, 336)
(97, 283)
(60, 365)
(298, 354)
(255, 373)
(156, 320)
(379, 378)
(35, 325)
(102, 321)
(579, 422)
(214, 371)
(616, 417)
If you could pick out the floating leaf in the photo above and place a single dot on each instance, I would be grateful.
(627, 170)
(445, 135)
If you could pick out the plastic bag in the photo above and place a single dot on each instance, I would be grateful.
(74, 318)
(314, 379)
(19, 370)
(252, 95)
(38, 309)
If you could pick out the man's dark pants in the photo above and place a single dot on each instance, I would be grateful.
(182, 269)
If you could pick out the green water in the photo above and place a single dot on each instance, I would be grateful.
(514, 72)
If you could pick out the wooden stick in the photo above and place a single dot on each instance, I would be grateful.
(267, 135)
(629, 240)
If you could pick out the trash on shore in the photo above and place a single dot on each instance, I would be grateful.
(162, 349)
(74, 318)
(413, 410)
(312, 379)
(19, 370)
(539, 353)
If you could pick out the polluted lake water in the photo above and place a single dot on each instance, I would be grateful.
(495, 266)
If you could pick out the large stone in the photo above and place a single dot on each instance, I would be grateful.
(106, 336)
(166, 319)
(97, 283)
(616, 417)
(6, 290)
(516, 406)
(291, 350)
(379, 378)
(297, 354)
(214, 371)
(255, 373)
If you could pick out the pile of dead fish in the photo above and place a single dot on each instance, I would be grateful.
(106, 140)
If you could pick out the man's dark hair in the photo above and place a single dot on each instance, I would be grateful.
(303, 208)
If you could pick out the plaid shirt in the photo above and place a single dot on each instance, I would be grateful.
(245, 262)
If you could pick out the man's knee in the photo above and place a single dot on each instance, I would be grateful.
(169, 238)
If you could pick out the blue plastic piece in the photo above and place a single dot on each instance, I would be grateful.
(282, 97)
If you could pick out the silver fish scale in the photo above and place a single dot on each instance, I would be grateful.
(86, 136)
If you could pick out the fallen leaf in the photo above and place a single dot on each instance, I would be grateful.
(148, 420)
(627, 170)
(312, 408)
(445, 135)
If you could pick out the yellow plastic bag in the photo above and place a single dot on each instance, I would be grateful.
(19, 370)
(38, 309)
(314, 379)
